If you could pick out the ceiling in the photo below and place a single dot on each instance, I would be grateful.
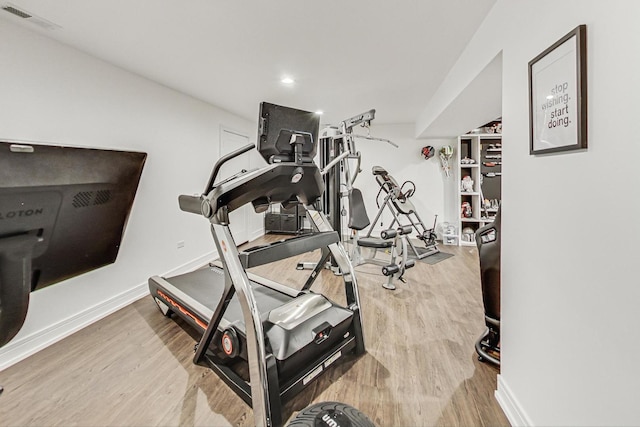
(346, 56)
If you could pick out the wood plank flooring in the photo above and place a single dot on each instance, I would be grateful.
(134, 368)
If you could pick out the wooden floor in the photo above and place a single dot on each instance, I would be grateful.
(134, 368)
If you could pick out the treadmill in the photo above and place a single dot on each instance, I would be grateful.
(265, 340)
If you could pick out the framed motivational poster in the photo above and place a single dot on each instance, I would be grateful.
(558, 95)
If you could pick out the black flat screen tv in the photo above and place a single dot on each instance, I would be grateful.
(277, 124)
(63, 212)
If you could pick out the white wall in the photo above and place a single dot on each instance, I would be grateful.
(570, 287)
(404, 164)
(52, 93)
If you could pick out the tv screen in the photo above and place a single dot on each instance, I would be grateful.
(277, 124)
(63, 212)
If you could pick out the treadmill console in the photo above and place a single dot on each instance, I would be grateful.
(277, 125)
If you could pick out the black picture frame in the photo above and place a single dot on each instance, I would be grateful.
(558, 95)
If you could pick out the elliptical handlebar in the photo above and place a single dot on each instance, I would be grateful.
(222, 160)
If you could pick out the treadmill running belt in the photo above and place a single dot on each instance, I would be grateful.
(206, 285)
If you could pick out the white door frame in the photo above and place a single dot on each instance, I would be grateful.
(239, 219)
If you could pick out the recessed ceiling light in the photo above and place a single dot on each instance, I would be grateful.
(287, 80)
(319, 112)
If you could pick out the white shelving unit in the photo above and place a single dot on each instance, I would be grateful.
(480, 159)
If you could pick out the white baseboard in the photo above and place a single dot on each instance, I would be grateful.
(191, 265)
(510, 406)
(22, 347)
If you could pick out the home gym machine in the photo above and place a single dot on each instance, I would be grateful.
(337, 153)
(338, 150)
(488, 242)
(287, 337)
(398, 203)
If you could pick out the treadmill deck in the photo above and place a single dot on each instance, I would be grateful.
(206, 285)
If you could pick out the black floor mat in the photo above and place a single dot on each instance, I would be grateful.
(433, 259)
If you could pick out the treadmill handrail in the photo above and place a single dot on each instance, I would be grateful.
(222, 160)
(192, 204)
(269, 184)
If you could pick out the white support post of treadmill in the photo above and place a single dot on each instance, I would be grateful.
(256, 350)
(339, 253)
